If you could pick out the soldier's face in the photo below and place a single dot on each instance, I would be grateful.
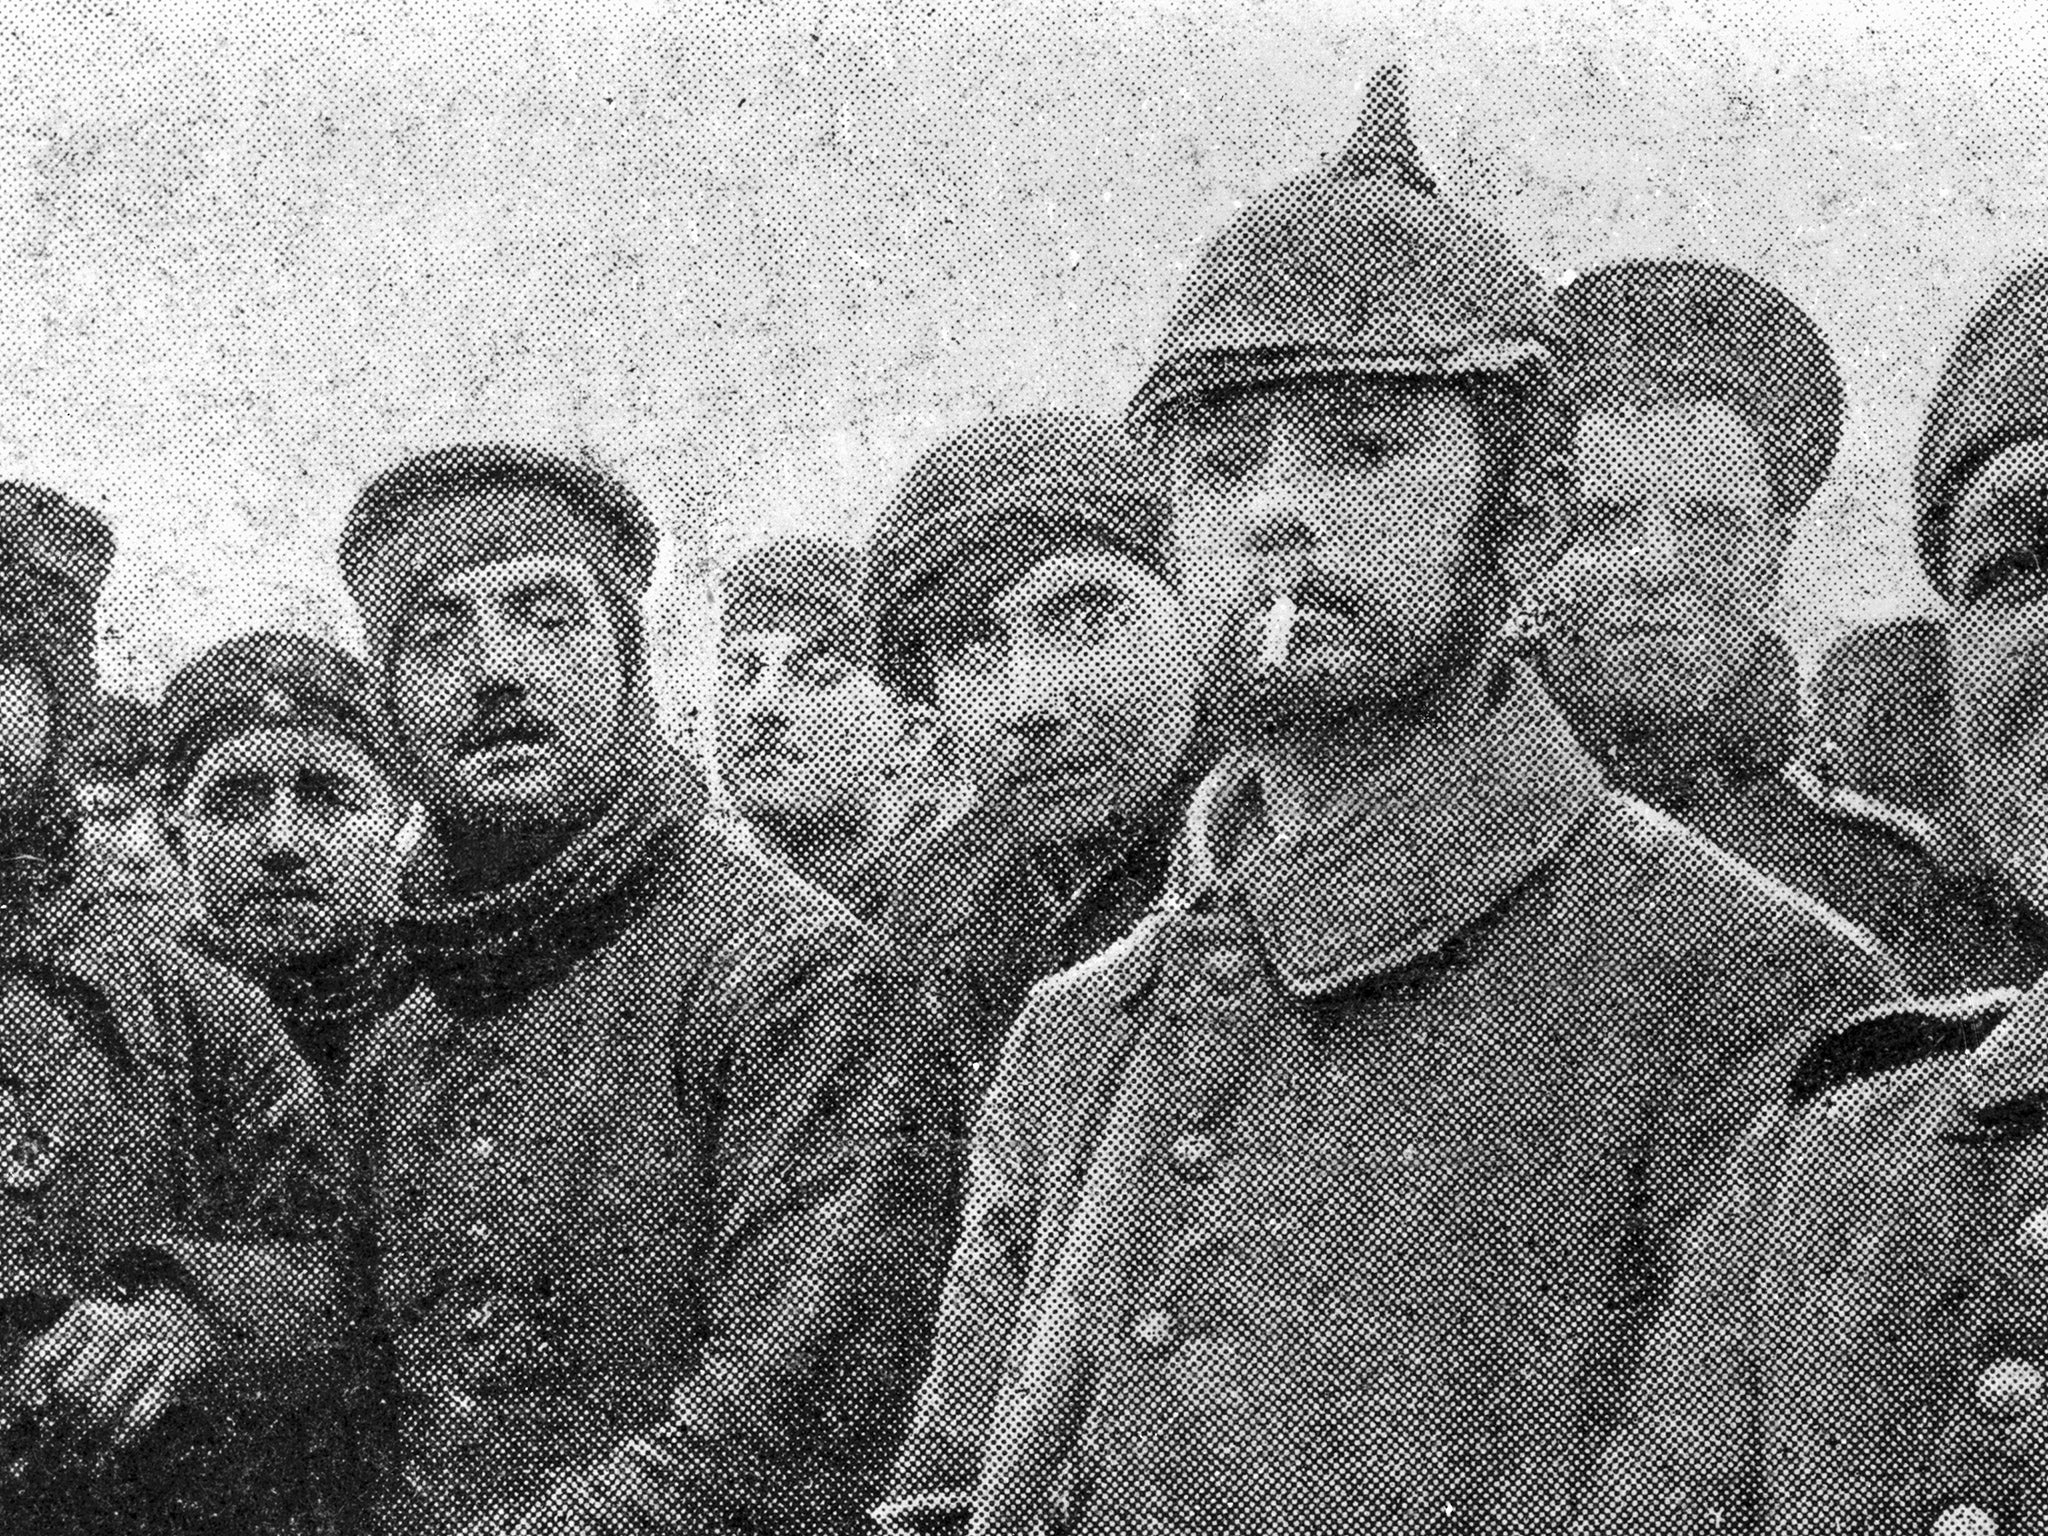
(1998, 647)
(1357, 499)
(1070, 701)
(507, 687)
(25, 731)
(122, 856)
(290, 839)
(1673, 567)
(805, 737)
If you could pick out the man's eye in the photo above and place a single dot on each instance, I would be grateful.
(1091, 621)
(1367, 446)
(976, 654)
(819, 669)
(551, 611)
(232, 803)
(431, 634)
(1220, 456)
(2014, 568)
(737, 673)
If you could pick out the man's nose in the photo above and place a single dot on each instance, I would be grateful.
(768, 698)
(139, 841)
(1658, 554)
(1038, 694)
(279, 838)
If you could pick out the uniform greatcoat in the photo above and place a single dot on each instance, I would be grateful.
(1858, 1339)
(654, 1197)
(1339, 1199)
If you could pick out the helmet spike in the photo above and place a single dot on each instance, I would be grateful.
(1381, 144)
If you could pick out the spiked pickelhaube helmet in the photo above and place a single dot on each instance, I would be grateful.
(1356, 269)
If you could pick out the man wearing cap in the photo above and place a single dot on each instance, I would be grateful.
(280, 801)
(648, 1161)
(829, 768)
(1335, 1199)
(163, 1206)
(1022, 585)
(1859, 1339)
(124, 872)
(1709, 412)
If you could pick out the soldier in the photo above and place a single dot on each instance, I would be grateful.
(1858, 1341)
(1337, 1198)
(280, 800)
(645, 1167)
(162, 1204)
(1885, 717)
(1022, 585)
(826, 765)
(1709, 412)
(124, 870)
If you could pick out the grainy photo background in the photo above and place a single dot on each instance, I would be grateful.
(759, 256)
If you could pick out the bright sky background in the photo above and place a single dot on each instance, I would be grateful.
(759, 256)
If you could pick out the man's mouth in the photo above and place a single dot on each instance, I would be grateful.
(1058, 778)
(514, 746)
(289, 896)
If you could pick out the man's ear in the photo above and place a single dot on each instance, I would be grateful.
(1541, 520)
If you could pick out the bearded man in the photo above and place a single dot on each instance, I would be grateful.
(1336, 1199)
(647, 1163)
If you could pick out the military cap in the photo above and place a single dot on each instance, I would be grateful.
(117, 742)
(983, 507)
(1992, 394)
(269, 679)
(390, 551)
(55, 539)
(798, 584)
(1356, 269)
(1648, 330)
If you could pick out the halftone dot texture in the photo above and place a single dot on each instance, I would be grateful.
(796, 584)
(981, 508)
(1649, 331)
(1992, 393)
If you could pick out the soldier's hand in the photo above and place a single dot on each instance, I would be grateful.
(112, 1368)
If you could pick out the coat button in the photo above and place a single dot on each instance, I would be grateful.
(1153, 1332)
(2032, 1238)
(1964, 1520)
(1194, 1155)
(1229, 970)
(2009, 1389)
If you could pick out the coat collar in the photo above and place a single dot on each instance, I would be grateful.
(1483, 800)
(2004, 1082)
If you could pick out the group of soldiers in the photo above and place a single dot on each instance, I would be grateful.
(1290, 963)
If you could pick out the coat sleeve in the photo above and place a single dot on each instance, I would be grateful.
(830, 1176)
(254, 1244)
(940, 1464)
(1686, 1457)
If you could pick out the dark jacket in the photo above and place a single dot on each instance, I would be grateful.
(1858, 1337)
(648, 1172)
(156, 1128)
(1339, 1198)
(1950, 923)
(980, 925)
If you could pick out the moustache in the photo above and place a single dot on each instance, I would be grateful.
(512, 725)
(286, 890)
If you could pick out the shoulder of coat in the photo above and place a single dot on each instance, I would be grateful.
(1894, 1036)
(1713, 891)
(1838, 803)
